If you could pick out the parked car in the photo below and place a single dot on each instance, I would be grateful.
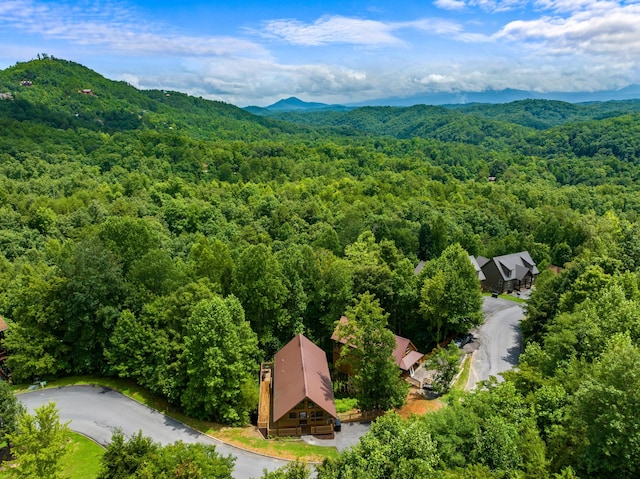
(461, 339)
(337, 425)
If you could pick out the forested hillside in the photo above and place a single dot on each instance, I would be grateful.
(139, 229)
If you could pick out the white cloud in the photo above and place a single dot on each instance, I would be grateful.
(432, 26)
(451, 4)
(248, 81)
(368, 33)
(610, 31)
(567, 6)
(335, 29)
(492, 6)
(114, 27)
(259, 82)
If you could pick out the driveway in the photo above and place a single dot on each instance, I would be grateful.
(349, 436)
(97, 411)
(498, 340)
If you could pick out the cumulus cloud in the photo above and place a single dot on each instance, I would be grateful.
(238, 82)
(608, 30)
(243, 81)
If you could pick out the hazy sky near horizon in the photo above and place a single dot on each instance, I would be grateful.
(257, 52)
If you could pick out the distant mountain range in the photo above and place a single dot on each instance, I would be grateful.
(454, 98)
(63, 94)
(295, 104)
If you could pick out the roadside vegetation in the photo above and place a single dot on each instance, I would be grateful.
(245, 437)
(82, 462)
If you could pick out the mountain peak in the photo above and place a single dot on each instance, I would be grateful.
(292, 103)
(296, 104)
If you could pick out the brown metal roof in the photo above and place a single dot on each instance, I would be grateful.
(410, 359)
(399, 353)
(300, 371)
(3, 324)
(401, 348)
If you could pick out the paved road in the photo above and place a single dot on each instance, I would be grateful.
(96, 411)
(499, 340)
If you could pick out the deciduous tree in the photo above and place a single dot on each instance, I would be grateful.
(259, 285)
(293, 470)
(369, 352)
(451, 297)
(392, 449)
(40, 444)
(446, 363)
(10, 411)
(220, 357)
(605, 409)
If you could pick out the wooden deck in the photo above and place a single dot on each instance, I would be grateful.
(264, 405)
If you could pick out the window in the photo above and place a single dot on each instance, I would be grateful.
(311, 404)
(303, 415)
(293, 415)
(317, 414)
(300, 405)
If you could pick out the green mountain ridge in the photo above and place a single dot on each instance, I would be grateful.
(536, 114)
(65, 94)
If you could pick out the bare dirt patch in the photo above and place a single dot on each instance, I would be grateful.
(418, 403)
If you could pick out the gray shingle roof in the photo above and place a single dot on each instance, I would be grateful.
(477, 267)
(515, 266)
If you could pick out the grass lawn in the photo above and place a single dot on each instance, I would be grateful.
(463, 378)
(83, 461)
(508, 297)
(287, 448)
(243, 437)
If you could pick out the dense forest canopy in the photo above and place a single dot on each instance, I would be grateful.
(137, 225)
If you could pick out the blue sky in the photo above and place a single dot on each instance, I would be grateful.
(257, 52)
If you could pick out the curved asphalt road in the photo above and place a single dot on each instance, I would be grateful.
(96, 411)
(499, 340)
